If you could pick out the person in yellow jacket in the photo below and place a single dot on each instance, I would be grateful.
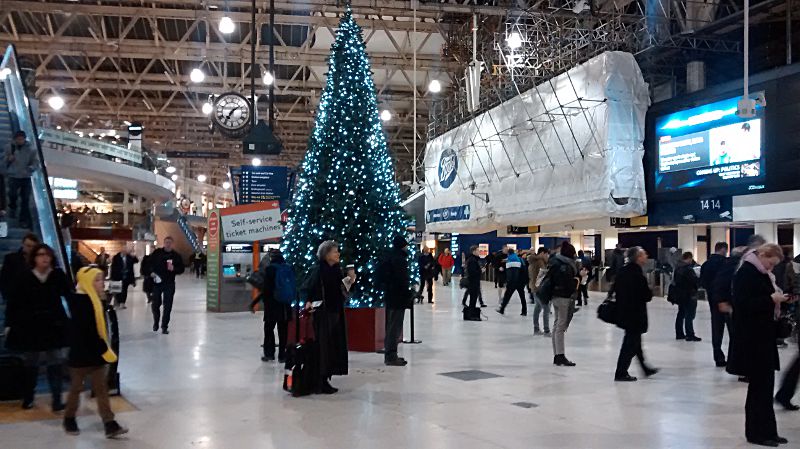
(90, 351)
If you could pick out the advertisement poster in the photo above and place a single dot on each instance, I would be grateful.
(483, 250)
(709, 147)
(213, 262)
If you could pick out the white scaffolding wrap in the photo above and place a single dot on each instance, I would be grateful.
(568, 149)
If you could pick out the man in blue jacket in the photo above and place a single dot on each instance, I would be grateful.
(515, 282)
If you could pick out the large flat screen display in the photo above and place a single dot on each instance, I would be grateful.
(709, 147)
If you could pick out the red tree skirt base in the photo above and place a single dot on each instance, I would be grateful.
(365, 329)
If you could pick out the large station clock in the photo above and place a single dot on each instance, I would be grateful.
(232, 115)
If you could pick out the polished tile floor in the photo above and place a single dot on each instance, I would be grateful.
(203, 386)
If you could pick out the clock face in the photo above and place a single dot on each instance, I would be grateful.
(232, 112)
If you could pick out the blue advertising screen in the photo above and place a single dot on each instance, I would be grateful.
(709, 147)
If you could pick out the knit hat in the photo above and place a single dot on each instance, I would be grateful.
(399, 241)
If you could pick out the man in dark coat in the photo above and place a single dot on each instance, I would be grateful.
(473, 273)
(685, 285)
(719, 320)
(396, 282)
(122, 271)
(632, 294)
(164, 264)
(427, 270)
(276, 313)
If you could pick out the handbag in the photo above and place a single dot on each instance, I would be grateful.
(785, 326)
(463, 282)
(115, 286)
(607, 311)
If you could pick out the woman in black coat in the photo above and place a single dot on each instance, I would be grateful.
(753, 353)
(36, 323)
(324, 286)
(633, 293)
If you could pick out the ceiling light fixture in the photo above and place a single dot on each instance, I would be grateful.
(55, 102)
(386, 115)
(256, 162)
(171, 169)
(197, 75)
(435, 87)
(226, 25)
(226, 185)
(514, 41)
(201, 178)
(268, 78)
(174, 177)
(207, 108)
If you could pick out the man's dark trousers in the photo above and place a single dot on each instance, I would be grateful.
(394, 328)
(162, 294)
(719, 321)
(269, 337)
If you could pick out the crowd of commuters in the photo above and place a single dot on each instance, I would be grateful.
(749, 292)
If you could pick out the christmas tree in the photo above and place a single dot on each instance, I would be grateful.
(346, 190)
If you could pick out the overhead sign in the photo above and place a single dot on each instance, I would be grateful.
(634, 222)
(702, 210)
(58, 140)
(252, 222)
(455, 213)
(517, 230)
(259, 184)
(196, 155)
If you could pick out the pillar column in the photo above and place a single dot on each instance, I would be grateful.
(610, 240)
(768, 230)
(687, 239)
(576, 238)
(719, 234)
(535, 242)
(796, 240)
(125, 207)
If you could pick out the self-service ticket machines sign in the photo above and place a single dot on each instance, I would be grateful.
(234, 237)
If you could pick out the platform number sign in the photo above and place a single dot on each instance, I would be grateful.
(711, 204)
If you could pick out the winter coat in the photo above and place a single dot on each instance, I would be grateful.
(14, 267)
(117, 273)
(722, 287)
(446, 261)
(86, 346)
(158, 264)
(25, 160)
(709, 272)
(427, 266)
(686, 283)
(274, 310)
(323, 283)
(513, 272)
(616, 264)
(36, 315)
(396, 280)
(563, 276)
(473, 272)
(752, 347)
(535, 263)
(633, 294)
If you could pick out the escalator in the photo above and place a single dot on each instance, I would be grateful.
(16, 114)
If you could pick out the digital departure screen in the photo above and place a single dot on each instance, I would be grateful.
(709, 147)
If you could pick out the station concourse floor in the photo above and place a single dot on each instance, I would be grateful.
(204, 386)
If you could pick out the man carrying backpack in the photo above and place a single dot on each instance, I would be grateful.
(277, 293)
